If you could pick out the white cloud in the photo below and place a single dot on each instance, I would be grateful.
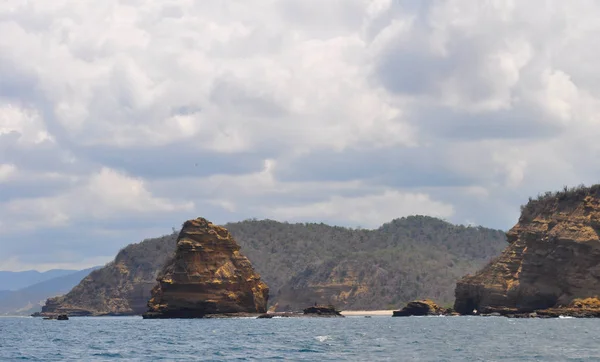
(27, 123)
(106, 194)
(6, 171)
(368, 211)
(15, 264)
(144, 112)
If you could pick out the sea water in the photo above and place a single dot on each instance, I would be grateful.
(300, 339)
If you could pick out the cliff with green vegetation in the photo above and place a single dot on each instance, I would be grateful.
(410, 258)
(552, 262)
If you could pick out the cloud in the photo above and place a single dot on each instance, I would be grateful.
(104, 195)
(6, 171)
(367, 211)
(15, 264)
(120, 119)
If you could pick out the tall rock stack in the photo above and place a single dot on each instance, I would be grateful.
(207, 276)
(553, 258)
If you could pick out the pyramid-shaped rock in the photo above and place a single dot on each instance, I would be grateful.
(207, 275)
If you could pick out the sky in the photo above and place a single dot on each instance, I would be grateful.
(120, 119)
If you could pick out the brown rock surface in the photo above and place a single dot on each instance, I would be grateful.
(553, 257)
(207, 275)
(420, 308)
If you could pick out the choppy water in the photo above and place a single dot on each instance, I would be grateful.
(302, 339)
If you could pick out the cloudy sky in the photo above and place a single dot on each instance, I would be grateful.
(120, 119)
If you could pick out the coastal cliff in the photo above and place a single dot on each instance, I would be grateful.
(207, 275)
(552, 260)
(406, 259)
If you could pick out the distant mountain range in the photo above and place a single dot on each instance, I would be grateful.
(35, 288)
(18, 280)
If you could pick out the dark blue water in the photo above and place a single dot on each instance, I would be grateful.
(301, 339)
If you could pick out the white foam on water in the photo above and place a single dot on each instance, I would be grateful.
(322, 338)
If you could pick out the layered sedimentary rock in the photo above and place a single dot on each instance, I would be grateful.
(330, 283)
(553, 257)
(207, 275)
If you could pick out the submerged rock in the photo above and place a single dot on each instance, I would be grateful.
(207, 276)
(553, 258)
(420, 308)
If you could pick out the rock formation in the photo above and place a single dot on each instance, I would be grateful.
(553, 257)
(420, 308)
(207, 275)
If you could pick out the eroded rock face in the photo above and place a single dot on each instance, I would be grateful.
(208, 275)
(553, 257)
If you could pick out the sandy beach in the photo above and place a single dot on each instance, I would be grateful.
(367, 312)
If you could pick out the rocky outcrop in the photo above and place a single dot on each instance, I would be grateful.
(420, 308)
(323, 311)
(553, 257)
(207, 275)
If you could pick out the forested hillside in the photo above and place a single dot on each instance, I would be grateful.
(408, 258)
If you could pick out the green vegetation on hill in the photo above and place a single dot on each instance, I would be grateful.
(550, 201)
(408, 258)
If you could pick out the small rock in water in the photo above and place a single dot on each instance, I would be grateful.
(323, 310)
(420, 308)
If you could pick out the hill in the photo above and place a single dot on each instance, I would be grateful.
(30, 299)
(408, 258)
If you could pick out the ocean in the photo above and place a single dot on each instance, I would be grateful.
(300, 339)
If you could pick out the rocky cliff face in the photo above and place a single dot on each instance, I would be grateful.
(208, 275)
(552, 258)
